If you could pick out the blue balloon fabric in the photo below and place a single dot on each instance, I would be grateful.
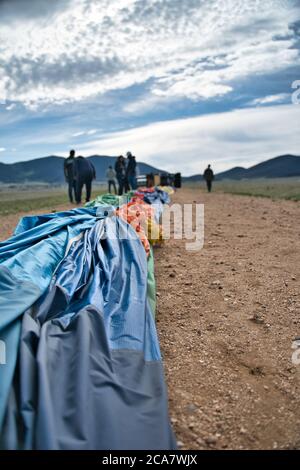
(84, 369)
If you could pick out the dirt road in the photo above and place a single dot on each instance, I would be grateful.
(227, 316)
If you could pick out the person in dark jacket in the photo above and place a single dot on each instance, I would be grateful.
(120, 170)
(85, 173)
(131, 171)
(208, 176)
(69, 175)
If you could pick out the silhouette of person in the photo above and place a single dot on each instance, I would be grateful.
(131, 171)
(120, 169)
(85, 173)
(208, 176)
(69, 175)
(111, 179)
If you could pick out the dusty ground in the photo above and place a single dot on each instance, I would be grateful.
(227, 316)
(9, 222)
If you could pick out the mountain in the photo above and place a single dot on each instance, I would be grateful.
(47, 169)
(236, 173)
(278, 167)
(50, 169)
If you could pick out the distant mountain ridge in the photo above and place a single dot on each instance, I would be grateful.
(279, 167)
(50, 169)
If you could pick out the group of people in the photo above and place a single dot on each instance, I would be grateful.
(125, 173)
(79, 172)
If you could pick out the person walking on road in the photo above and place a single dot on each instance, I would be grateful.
(85, 173)
(209, 177)
(70, 176)
(111, 179)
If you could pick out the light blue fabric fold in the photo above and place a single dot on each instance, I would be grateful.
(90, 374)
(27, 263)
(76, 318)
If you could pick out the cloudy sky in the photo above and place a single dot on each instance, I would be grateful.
(181, 83)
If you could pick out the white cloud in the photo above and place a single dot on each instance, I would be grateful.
(83, 133)
(2, 149)
(14, 10)
(270, 99)
(10, 107)
(146, 103)
(78, 134)
(194, 49)
(242, 137)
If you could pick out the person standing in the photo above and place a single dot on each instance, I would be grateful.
(120, 170)
(111, 179)
(85, 173)
(131, 171)
(69, 175)
(209, 177)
